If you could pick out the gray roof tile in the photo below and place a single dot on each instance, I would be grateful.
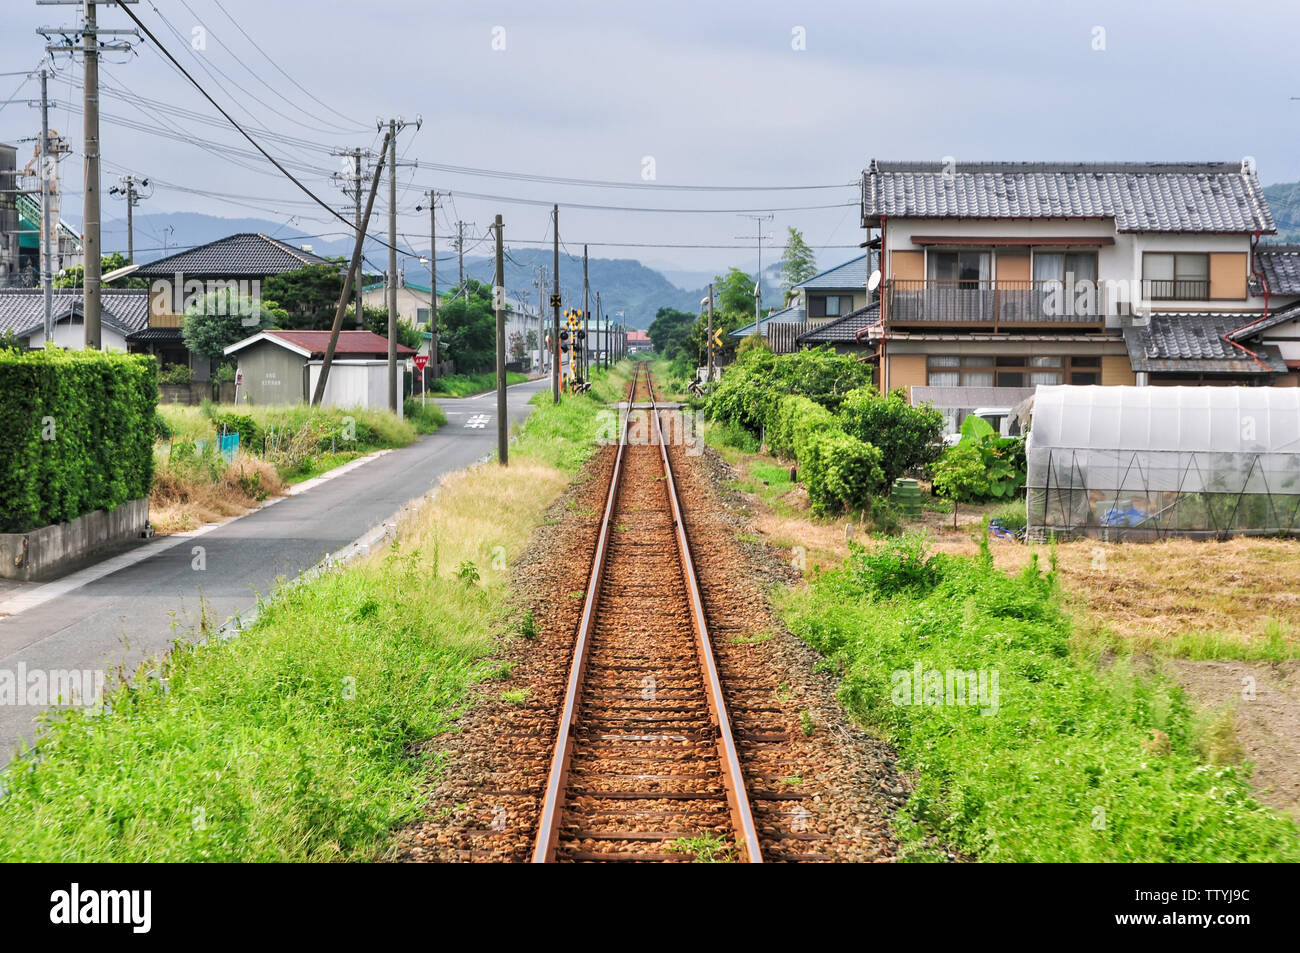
(1194, 342)
(843, 330)
(22, 310)
(246, 254)
(850, 275)
(1139, 196)
(1280, 265)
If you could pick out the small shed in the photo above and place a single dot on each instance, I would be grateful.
(1142, 463)
(281, 367)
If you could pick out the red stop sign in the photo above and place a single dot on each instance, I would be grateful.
(420, 361)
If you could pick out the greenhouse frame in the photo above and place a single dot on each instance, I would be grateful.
(1144, 463)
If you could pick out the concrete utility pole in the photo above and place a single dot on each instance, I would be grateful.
(133, 196)
(709, 372)
(499, 303)
(460, 259)
(597, 325)
(319, 394)
(351, 184)
(90, 50)
(586, 304)
(541, 317)
(555, 306)
(433, 278)
(392, 265)
(47, 171)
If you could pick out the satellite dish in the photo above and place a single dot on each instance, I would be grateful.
(874, 281)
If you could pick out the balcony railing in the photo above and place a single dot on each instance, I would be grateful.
(1176, 289)
(995, 305)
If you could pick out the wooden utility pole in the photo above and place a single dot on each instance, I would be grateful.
(499, 302)
(555, 306)
(319, 395)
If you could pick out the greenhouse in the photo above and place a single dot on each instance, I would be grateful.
(1141, 463)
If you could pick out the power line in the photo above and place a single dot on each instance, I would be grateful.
(626, 208)
(609, 184)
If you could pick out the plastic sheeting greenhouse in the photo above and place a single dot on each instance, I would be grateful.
(1145, 462)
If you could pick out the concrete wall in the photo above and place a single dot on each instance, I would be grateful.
(43, 552)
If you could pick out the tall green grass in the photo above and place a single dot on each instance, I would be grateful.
(1077, 762)
(464, 385)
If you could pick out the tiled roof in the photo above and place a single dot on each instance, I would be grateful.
(793, 314)
(844, 330)
(1280, 265)
(1257, 325)
(22, 310)
(245, 255)
(1194, 342)
(1139, 196)
(850, 275)
(315, 342)
(154, 334)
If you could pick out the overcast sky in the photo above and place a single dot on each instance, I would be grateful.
(714, 93)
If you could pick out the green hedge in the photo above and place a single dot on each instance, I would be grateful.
(76, 434)
(841, 472)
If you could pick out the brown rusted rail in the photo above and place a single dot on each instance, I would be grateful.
(665, 792)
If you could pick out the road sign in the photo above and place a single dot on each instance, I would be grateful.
(421, 360)
(717, 338)
(555, 301)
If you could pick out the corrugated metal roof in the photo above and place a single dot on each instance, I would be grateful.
(1194, 342)
(247, 254)
(1139, 196)
(22, 310)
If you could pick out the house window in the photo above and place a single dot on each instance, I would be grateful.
(949, 370)
(828, 306)
(1057, 266)
(421, 315)
(967, 267)
(1176, 276)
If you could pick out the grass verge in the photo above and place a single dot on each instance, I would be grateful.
(1057, 757)
(296, 740)
(465, 385)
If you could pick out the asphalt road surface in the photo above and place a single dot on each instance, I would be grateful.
(136, 611)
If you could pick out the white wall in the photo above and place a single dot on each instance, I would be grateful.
(354, 384)
(73, 337)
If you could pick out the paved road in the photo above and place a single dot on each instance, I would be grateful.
(128, 614)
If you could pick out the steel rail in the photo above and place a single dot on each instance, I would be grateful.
(742, 816)
(548, 828)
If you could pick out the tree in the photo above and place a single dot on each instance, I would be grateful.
(959, 475)
(221, 318)
(516, 346)
(798, 263)
(670, 332)
(467, 332)
(907, 436)
(733, 307)
(309, 295)
(375, 320)
(75, 277)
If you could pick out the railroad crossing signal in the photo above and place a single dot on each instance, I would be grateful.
(555, 301)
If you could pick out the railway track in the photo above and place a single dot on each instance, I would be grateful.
(645, 757)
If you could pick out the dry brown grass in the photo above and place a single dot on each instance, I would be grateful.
(181, 501)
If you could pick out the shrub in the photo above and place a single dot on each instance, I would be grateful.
(842, 472)
(162, 430)
(897, 565)
(250, 434)
(752, 387)
(907, 436)
(734, 435)
(76, 433)
(178, 375)
(793, 423)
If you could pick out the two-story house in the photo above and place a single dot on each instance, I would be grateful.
(1000, 276)
(821, 299)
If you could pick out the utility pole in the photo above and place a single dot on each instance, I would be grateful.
(351, 186)
(585, 306)
(353, 268)
(555, 306)
(597, 325)
(460, 259)
(394, 127)
(133, 196)
(47, 171)
(433, 278)
(499, 303)
(758, 285)
(709, 372)
(541, 317)
(90, 50)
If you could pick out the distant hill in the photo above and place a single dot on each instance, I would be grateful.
(624, 283)
(1284, 200)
